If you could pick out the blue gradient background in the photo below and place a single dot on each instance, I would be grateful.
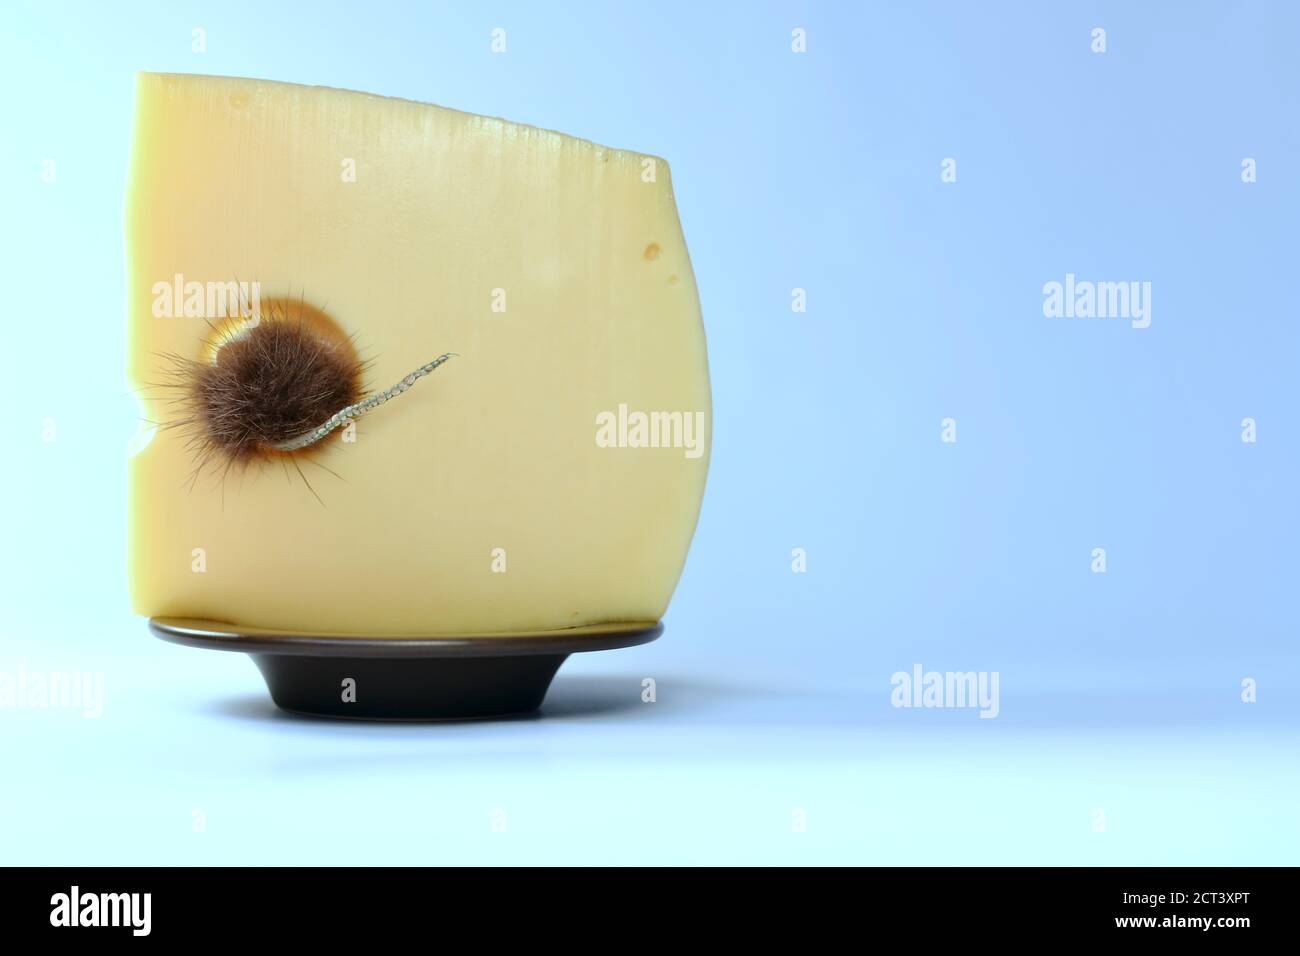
(1119, 692)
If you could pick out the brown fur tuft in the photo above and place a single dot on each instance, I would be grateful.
(269, 384)
(264, 384)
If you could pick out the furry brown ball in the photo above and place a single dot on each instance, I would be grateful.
(268, 384)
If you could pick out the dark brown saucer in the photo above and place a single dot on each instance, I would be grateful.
(405, 678)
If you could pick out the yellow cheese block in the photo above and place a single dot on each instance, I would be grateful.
(519, 486)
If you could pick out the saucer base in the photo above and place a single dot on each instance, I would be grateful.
(433, 688)
(416, 678)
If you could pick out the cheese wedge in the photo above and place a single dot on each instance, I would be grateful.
(548, 477)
